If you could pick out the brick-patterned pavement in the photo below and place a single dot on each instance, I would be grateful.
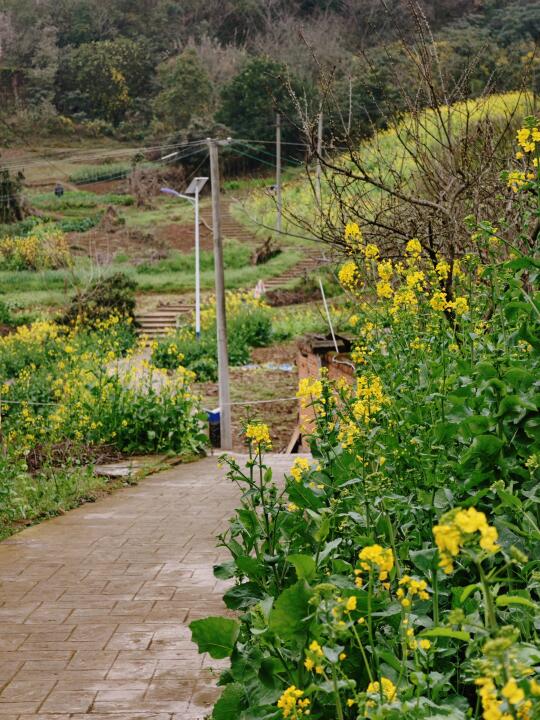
(95, 605)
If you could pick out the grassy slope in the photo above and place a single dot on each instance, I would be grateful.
(259, 209)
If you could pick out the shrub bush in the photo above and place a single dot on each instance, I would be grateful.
(112, 295)
(81, 384)
(45, 248)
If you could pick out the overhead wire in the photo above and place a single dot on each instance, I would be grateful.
(119, 176)
(34, 162)
(272, 155)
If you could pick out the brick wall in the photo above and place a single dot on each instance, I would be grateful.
(310, 360)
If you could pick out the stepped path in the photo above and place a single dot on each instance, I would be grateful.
(95, 604)
(168, 315)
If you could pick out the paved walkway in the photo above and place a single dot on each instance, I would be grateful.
(95, 605)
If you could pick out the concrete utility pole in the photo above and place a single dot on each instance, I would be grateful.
(278, 173)
(221, 320)
(319, 153)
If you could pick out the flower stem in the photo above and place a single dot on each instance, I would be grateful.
(490, 619)
(339, 708)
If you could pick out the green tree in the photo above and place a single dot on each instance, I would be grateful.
(250, 101)
(104, 79)
(185, 90)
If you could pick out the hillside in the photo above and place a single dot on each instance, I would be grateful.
(164, 69)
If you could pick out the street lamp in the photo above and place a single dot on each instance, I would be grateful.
(192, 194)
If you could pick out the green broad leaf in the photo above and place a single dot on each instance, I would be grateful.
(321, 533)
(486, 370)
(515, 405)
(508, 499)
(261, 712)
(354, 481)
(423, 559)
(287, 617)
(269, 672)
(250, 566)
(248, 519)
(529, 335)
(215, 635)
(478, 424)
(506, 600)
(515, 309)
(520, 378)
(390, 659)
(446, 633)
(333, 653)
(225, 571)
(328, 548)
(522, 263)
(242, 597)
(532, 428)
(342, 567)
(466, 592)
(304, 565)
(483, 446)
(230, 704)
(303, 496)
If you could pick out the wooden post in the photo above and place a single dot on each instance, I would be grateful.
(278, 173)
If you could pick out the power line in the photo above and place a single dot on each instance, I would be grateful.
(33, 162)
(119, 176)
(264, 152)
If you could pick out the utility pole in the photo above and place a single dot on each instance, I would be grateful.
(319, 153)
(221, 320)
(197, 266)
(278, 173)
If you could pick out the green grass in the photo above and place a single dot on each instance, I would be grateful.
(52, 288)
(289, 323)
(55, 490)
(85, 174)
(235, 256)
(77, 200)
(236, 277)
(165, 211)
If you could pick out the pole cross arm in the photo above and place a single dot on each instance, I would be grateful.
(170, 191)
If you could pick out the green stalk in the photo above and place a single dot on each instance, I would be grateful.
(435, 585)
(362, 650)
(336, 693)
(391, 537)
(370, 622)
(489, 612)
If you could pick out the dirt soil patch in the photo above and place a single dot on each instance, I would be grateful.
(262, 383)
(103, 245)
(63, 453)
(104, 187)
(182, 237)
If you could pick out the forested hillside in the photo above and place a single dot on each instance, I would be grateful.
(157, 67)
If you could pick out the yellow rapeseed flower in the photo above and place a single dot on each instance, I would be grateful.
(348, 275)
(300, 466)
(459, 527)
(258, 434)
(389, 690)
(414, 248)
(290, 703)
(375, 557)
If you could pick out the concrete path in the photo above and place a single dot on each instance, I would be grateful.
(95, 605)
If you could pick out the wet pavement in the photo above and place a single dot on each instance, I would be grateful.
(95, 604)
